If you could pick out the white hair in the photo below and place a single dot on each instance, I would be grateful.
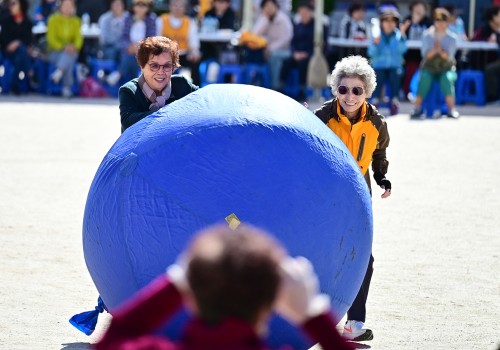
(354, 67)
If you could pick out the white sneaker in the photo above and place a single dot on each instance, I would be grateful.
(113, 78)
(56, 76)
(354, 330)
(66, 92)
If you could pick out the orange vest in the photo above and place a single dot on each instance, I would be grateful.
(180, 34)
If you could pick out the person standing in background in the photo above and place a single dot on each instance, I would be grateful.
(177, 26)
(64, 41)
(386, 52)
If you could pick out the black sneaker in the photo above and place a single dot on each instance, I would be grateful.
(453, 114)
(416, 113)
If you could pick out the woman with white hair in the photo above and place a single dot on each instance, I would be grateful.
(364, 131)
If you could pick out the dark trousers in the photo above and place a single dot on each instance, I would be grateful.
(21, 62)
(491, 81)
(391, 76)
(193, 66)
(357, 311)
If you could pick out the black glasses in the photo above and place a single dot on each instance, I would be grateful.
(358, 91)
(155, 67)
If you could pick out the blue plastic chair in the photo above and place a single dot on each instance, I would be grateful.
(203, 69)
(56, 89)
(234, 70)
(470, 87)
(6, 75)
(433, 101)
(258, 74)
(99, 68)
(292, 84)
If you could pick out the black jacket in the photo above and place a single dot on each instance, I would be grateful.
(134, 106)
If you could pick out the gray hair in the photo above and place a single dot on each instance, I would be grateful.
(354, 67)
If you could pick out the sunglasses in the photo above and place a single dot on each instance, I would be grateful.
(155, 67)
(141, 4)
(358, 91)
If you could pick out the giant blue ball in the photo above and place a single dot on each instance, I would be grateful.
(228, 149)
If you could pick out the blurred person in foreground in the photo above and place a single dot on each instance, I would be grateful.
(156, 87)
(363, 130)
(16, 39)
(231, 281)
(438, 49)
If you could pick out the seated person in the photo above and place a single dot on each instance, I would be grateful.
(111, 25)
(177, 26)
(386, 52)
(438, 49)
(16, 39)
(352, 25)
(277, 28)
(231, 281)
(64, 41)
(156, 87)
(489, 32)
(302, 46)
(225, 16)
(139, 24)
(413, 27)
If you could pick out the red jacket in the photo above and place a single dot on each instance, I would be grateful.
(133, 324)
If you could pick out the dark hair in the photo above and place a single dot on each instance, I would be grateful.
(491, 12)
(355, 6)
(24, 5)
(234, 273)
(418, 2)
(307, 4)
(156, 45)
(124, 2)
(264, 2)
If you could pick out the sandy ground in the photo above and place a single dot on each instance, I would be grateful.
(437, 239)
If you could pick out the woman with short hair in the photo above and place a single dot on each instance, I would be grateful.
(156, 87)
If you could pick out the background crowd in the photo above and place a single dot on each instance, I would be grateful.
(54, 46)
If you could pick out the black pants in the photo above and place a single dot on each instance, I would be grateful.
(357, 311)
(193, 66)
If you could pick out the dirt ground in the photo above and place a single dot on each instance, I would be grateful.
(436, 283)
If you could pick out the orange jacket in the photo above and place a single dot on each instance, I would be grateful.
(366, 139)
